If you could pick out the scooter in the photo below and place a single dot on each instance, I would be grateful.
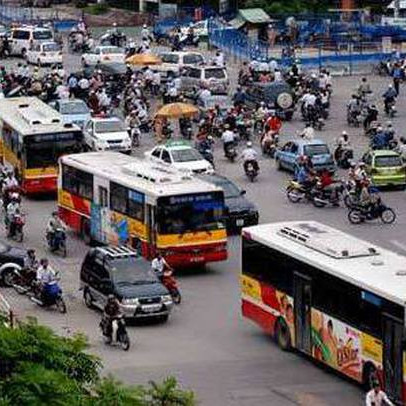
(121, 332)
(57, 241)
(49, 295)
(170, 283)
(231, 152)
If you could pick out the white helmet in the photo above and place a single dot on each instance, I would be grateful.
(344, 133)
(249, 144)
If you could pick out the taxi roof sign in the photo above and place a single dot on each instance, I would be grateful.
(177, 143)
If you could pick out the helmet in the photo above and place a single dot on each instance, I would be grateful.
(361, 164)
(249, 144)
(389, 123)
(353, 164)
(111, 297)
(14, 196)
(144, 26)
(344, 133)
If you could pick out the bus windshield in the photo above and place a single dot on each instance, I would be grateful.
(189, 213)
(45, 149)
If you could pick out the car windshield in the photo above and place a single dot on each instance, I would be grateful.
(43, 34)
(51, 47)
(3, 248)
(170, 58)
(186, 155)
(316, 149)
(215, 73)
(190, 213)
(78, 107)
(130, 271)
(230, 190)
(109, 126)
(192, 59)
(112, 50)
(387, 161)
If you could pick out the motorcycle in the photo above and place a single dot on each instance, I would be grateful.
(22, 280)
(360, 214)
(15, 227)
(57, 241)
(269, 147)
(49, 295)
(296, 192)
(231, 152)
(354, 119)
(170, 283)
(122, 336)
(135, 135)
(343, 157)
(322, 197)
(250, 170)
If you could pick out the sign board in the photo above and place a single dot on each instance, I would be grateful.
(386, 45)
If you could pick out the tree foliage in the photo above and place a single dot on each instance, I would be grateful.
(39, 368)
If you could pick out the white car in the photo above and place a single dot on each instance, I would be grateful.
(172, 62)
(45, 53)
(25, 37)
(104, 55)
(107, 134)
(182, 156)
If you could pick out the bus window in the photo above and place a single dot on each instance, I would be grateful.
(126, 201)
(77, 182)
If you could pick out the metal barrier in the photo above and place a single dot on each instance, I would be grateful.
(6, 312)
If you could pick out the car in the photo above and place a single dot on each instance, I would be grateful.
(10, 259)
(385, 167)
(181, 155)
(104, 55)
(317, 150)
(215, 78)
(25, 37)
(45, 53)
(121, 272)
(279, 95)
(240, 212)
(107, 134)
(73, 111)
(173, 62)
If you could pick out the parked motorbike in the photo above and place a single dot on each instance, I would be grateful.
(57, 241)
(122, 336)
(170, 283)
(49, 295)
(378, 210)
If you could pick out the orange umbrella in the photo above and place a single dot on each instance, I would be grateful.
(144, 59)
(177, 110)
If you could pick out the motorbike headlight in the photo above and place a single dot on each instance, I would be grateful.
(130, 301)
(167, 298)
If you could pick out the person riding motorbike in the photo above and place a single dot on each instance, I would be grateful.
(229, 138)
(46, 276)
(159, 264)
(328, 185)
(13, 208)
(371, 116)
(250, 156)
(377, 397)
(32, 262)
(111, 312)
(343, 145)
(389, 99)
(54, 225)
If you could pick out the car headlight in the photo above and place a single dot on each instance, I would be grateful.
(130, 301)
(167, 298)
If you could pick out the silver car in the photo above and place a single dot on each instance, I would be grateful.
(214, 78)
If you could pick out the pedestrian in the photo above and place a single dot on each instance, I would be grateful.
(397, 75)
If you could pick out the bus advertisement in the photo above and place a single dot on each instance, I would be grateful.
(33, 137)
(118, 199)
(336, 298)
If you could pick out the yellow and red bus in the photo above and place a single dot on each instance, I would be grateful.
(113, 198)
(33, 137)
(334, 297)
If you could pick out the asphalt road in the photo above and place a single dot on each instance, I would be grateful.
(206, 344)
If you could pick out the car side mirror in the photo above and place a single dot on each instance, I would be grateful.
(243, 192)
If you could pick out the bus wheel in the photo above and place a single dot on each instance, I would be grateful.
(282, 335)
(85, 232)
(368, 376)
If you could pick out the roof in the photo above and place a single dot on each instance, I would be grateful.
(384, 152)
(357, 261)
(254, 15)
(30, 116)
(146, 176)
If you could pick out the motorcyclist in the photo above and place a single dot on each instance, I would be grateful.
(250, 156)
(45, 277)
(327, 184)
(389, 98)
(377, 397)
(54, 224)
(379, 140)
(343, 144)
(354, 106)
(229, 138)
(13, 208)
(159, 264)
(111, 312)
(371, 116)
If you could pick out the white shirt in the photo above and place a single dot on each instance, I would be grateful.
(219, 60)
(249, 154)
(84, 84)
(402, 150)
(273, 65)
(158, 265)
(310, 99)
(45, 275)
(377, 399)
(228, 136)
(278, 76)
(308, 133)
(205, 94)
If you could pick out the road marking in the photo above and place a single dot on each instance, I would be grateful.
(399, 244)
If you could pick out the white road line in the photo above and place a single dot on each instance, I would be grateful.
(399, 244)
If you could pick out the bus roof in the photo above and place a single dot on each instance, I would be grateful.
(357, 261)
(148, 177)
(30, 116)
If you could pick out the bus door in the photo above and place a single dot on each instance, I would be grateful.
(101, 200)
(392, 356)
(151, 229)
(302, 306)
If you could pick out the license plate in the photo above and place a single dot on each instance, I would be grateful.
(240, 222)
(151, 308)
(197, 259)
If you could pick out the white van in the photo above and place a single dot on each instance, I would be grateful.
(25, 37)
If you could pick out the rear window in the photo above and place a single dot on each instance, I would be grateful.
(216, 73)
(387, 161)
(109, 126)
(51, 48)
(316, 149)
(194, 73)
(170, 58)
(192, 59)
(19, 34)
(43, 34)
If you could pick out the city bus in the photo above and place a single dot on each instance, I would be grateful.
(113, 198)
(334, 297)
(33, 137)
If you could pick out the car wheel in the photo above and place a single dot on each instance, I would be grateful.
(87, 297)
(8, 277)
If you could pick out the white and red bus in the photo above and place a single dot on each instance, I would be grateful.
(336, 298)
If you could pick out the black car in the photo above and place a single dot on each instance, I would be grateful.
(279, 95)
(240, 212)
(10, 257)
(122, 272)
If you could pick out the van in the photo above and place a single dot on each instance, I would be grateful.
(25, 37)
(214, 78)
